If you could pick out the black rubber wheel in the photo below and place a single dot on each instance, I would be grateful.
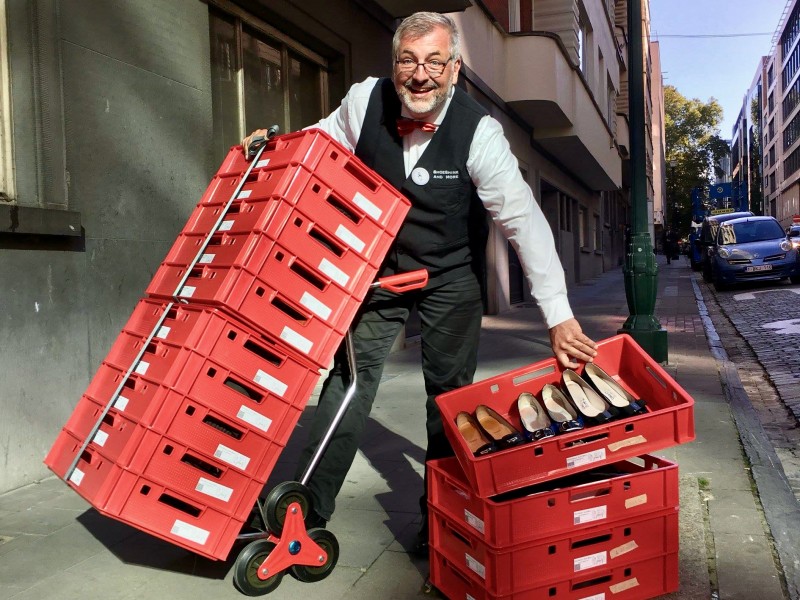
(245, 569)
(795, 278)
(327, 541)
(278, 501)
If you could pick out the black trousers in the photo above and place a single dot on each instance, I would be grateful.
(450, 317)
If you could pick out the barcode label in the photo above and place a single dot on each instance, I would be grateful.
(579, 517)
(100, 438)
(214, 489)
(586, 459)
(141, 367)
(267, 381)
(189, 532)
(121, 403)
(226, 225)
(244, 194)
(232, 457)
(296, 340)
(590, 562)
(262, 163)
(315, 306)
(334, 272)
(350, 238)
(163, 332)
(76, 477)
(474, 521)
(248, 415)
(207, 258)
(367, 206)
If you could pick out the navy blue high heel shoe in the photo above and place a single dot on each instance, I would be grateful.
(564, 416)
(590, 404)
(535, 421)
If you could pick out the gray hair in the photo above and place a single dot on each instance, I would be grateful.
(422, 23)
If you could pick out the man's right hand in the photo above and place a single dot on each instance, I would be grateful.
(258, 133)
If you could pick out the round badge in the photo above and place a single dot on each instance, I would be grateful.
(420, 176)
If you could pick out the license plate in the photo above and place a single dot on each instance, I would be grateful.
(758, 268)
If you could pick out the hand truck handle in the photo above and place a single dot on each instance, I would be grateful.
(261, 140)
(403, 282)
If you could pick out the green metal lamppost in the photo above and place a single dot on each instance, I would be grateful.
(641, 271)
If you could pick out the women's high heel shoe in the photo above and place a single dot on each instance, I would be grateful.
(589, 403)
(473, 435)
(497, 428)
(534, 419)
(564, 416)
(612, 391)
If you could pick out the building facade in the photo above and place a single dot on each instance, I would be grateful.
(114, 115)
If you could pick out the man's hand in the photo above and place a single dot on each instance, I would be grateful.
(263, 133)
(569, 343)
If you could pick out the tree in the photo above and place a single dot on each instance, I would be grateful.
(694, 147)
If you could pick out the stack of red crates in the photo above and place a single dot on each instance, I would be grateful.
(186, 416)
(583, 515)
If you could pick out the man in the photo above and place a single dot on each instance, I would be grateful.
(453, 167)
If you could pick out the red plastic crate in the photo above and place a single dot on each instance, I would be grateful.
(649, 578)
(634, 490)
(556, 558)
(240, 217)
(669, 421)
(139, 399)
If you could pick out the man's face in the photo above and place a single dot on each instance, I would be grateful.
(420, 92)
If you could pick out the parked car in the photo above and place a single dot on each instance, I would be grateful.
(793, 233)
(752, 249)
(707, 237)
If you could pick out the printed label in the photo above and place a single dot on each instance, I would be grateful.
(231, 457)
(636, 501)
(141, 367)
(207, 258)
(187, 291)
(121, 403)
(76, 477)
(226, 225)
(589, 562)
(475, 566)
(189, 532)
(631, 441)
(369, 207)
(623, 549)
(100, 438)
(579, 517)
(349, 238)
(163, 332)
(470, 597)
(623, 585)
(265, 380)
(315, 306)
(474, 521)
(600, 596)
(244, 194)
(214, 489)
(296, 340)
(248, 415)
(334, 272)
(262, 163)
(587, 458)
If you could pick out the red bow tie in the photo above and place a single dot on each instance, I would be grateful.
(406, 126)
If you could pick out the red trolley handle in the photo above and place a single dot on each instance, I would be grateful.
(403, 282)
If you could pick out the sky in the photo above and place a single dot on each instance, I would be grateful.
(722, 66)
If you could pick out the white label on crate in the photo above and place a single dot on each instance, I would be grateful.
(623, 549)
(232, 457)
(318, 308)
(334, 272)
(600, 596)
(100, 438)
(475, 566)
(579, 517)
(262, 163)
(226, 225)
(248, 415)
(189, 532)
(207, 258)
(141, 367)
(369, 207)
(470, 597)
(586, 459)
(631, 441)
(214, 489)
(76, 477)
(636, 501)
(265, 380)
(589, 562)
(623, 585)
(350, 238)
(121, 403)
(187, 291)
(296, 340)
(473, 521)
(244, 194)
(163, 332)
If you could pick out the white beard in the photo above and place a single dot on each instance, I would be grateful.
(419, 106)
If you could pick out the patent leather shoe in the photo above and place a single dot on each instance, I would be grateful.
(590, 404)
(473, 435)
(497, 428)
(535, 421)
(564, 416)
(612, 391)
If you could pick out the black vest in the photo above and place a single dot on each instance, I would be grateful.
(445, 230)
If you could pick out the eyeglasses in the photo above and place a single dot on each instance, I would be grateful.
(434, 67)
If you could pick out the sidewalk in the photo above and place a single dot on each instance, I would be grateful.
(52, 546)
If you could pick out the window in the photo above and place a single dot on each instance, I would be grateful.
(260, 77)
(583, 228)
(566, 213)
(7, 189)
(598, 234)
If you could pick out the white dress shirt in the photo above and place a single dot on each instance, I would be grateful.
(495, 172)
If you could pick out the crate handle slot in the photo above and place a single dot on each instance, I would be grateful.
(656, 376)
(586, 439)
(179, 504)
(308, 275)
(455, 572)
(359, 173)
(264, 353)
(214, 240)
(223, 427)
(242, 389)
(289, 310)
(591, 582)
(533, 375)
(456, 534)
(589, 494)
(598, 539)
(315, 234)
(87, 457)
(201, 465)
(343, 208)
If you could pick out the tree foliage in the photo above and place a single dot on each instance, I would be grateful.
(693, 149)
